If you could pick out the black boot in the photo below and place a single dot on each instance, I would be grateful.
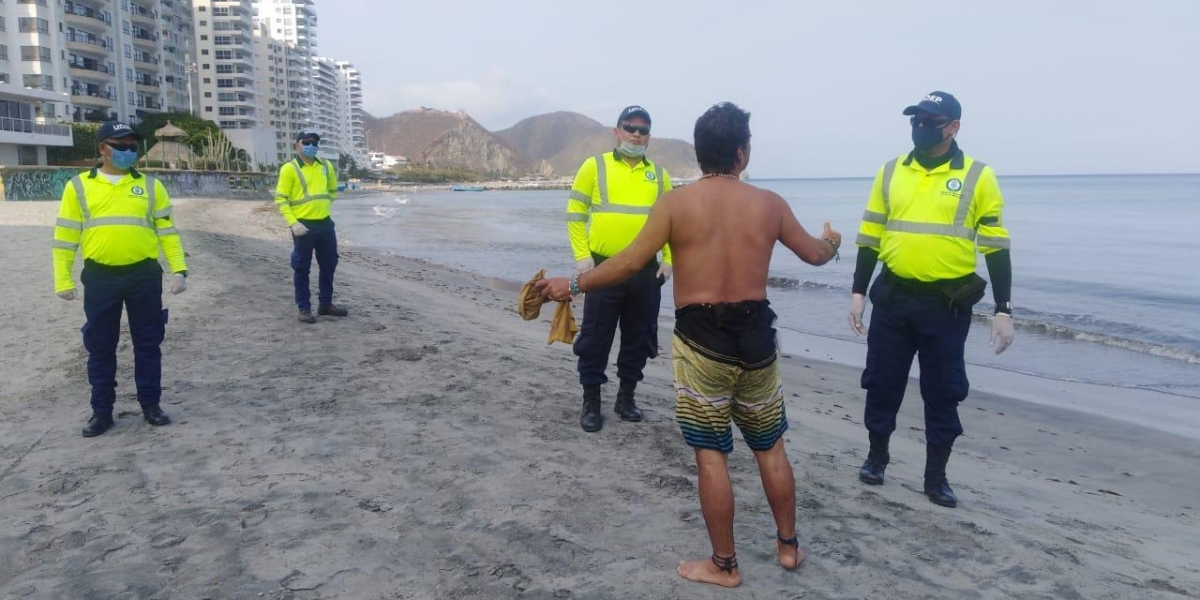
(625, 406)
(591, 419)
(936, 486)
(155, 416)
(871, 472)
(97, 425)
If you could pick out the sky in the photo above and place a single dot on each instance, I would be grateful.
(1047, 87)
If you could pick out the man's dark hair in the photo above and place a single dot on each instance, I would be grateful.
(720, 131)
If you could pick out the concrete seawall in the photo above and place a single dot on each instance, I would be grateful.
(19, 184)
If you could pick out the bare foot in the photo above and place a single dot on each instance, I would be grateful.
(704, 571)
(789, 557)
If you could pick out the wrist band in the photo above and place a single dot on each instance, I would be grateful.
(575, 285)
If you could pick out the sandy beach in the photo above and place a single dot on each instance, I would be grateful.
(427, 446)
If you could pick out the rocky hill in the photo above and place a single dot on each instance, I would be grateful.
(551, 145)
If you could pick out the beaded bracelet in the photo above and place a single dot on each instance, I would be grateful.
(575, 286)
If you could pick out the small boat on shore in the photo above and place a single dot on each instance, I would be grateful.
(467, 188)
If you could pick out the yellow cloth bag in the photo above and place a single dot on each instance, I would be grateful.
(529, 306)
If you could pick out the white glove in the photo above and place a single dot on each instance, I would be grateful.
(298, 229)
(178, 283)
(585, 265)
(664, 271)
(66, 294)
(1002, 330)
(858, 305)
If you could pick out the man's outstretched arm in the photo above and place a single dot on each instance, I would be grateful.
(653, 236)
(812, 250)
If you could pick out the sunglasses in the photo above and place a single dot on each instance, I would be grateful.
(122, 147)
(930, 122)
(642, 129)
(311, 142)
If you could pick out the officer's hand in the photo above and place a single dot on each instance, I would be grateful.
(585, 265)
(858, 305)
(66, 294)
(178, 283)
(1002, 330)
(664, 272)
(298, 229)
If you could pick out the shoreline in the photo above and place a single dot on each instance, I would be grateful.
(428, 447)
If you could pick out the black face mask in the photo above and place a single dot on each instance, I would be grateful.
(926, 138)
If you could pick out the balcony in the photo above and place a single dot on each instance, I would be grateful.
(145, 59)
(142, 14)
(92, 96)
(28, 126)
(145, 38)
(84, 16)
(89, 70)
(92, 116)
(91, 44)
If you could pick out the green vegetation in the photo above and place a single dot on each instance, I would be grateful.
(439, 175)
(82, 151)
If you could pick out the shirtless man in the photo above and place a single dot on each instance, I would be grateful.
(722, 232)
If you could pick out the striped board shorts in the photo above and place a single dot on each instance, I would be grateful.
(725, 370)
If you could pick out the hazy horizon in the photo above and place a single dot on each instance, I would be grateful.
(1072, 87)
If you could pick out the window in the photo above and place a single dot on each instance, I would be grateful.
(125, 26)
(227, 111)
(132, 98)
(3, 27)
(207, 109)
(32, 25)
(225, 83)
(38, 82)
(203, 22)
(208, 94)
(204, 66)
(27, 155)
(204, 38)
(207, 80)
(35, 54)
(128, 51)
(3, 53)
(204, 52)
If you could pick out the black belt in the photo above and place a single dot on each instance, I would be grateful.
(923, 288)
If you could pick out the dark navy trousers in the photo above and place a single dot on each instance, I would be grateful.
(321, 239)
(904, 323)
(138, 289)
(634, 306)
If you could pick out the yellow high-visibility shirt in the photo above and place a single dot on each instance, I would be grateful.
(927, 225)
(305, 191)
(610, 202)
(114, 224)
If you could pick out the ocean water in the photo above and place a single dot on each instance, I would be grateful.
(1106, 284)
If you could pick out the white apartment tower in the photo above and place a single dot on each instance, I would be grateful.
(230, 86)
(291, 24)
(33, 82)
(325, 107)
(351, 113)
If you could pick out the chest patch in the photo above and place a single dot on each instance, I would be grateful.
(650, 176)
(954, 185)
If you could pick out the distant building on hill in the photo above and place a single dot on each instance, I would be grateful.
(379, 161)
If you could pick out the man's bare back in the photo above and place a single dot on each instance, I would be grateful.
(722, 234)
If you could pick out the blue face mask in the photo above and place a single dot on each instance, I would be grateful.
(309, 151)
(124, 159)
(632, 150)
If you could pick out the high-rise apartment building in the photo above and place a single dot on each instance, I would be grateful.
(351, 115)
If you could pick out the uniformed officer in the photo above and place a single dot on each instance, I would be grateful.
(120, 219)
(929, 211)
(609, 203)
(307, 188)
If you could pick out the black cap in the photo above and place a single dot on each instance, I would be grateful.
(116, 129)
(307, 133)
(937, 103)
(634, 111)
